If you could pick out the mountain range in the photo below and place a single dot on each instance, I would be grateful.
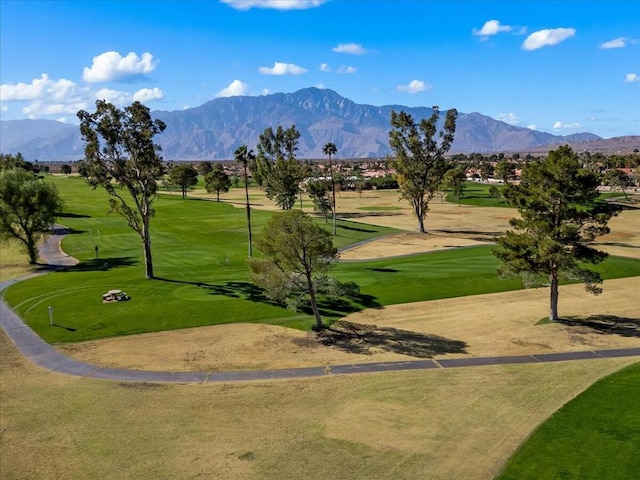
(213, 130)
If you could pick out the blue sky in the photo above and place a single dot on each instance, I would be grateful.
(555, 66)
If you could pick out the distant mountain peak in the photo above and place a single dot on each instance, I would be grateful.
(213, 130)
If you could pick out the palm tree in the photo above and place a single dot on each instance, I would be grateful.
(244, 156)
(330, 149)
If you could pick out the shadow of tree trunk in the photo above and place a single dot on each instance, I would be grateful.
(368, 339)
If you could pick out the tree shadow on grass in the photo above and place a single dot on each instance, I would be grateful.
(369, 213)
(72, 215)
(616, 244)
(606, 324)
(340, 307)
(68, 329)
(248, 291)
(356, 229)
(368, 339)
(241, 290)
(102, 264)
(66, 231)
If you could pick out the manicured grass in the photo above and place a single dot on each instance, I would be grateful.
(200, 252)
(594, 436)
(477, 194)
(14, 262)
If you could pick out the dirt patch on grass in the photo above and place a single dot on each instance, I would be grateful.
(624, 239)
(409, 243)
(479, 325)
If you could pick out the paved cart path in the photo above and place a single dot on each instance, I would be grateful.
(44, 355)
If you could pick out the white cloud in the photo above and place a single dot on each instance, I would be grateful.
(280, 68)
(510, 118)
(111, 66)
(234, 89)
(414, 86)
(547, 37)
(46, 96)
(38, 88)
(185, 107)
(619, 42)
(340, 70)
(118, 97)
(320, 86)
(265, 91)
(62, 119)
(274, 4)
(532, 126)
(350, 48)
(565, 126)
(38, 107)
(631, 78)
(491, 27)
(347, 70)
(148, 94)
(4, 108)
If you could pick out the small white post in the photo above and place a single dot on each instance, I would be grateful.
(50, 315)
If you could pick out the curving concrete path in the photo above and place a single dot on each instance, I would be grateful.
(44, 355)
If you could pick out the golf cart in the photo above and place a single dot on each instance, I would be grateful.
(115, 296)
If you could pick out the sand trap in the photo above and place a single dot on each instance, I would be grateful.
(407, 243)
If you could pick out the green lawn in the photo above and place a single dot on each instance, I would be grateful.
(477, 194)
(200, 250)
(594, 436)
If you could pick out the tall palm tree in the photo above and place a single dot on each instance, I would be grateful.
(330, 149)
(244, 156)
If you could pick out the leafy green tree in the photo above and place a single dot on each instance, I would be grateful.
(184, 177)
(505, 170)
(28, 208)
(217, 180)
(318, 189)
(297, 254)
(245, 157)
(330, 149)
(82, 168)
(358, 180)
(277, 165)
(454, 179)
(485, 169)
(617, 180)
(204, 167)
(419, 157)
(8, 160)
(122, 158)
(556, 199)
(495, 192)
(65, 169)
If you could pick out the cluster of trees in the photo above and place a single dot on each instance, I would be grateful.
(29, 205)
(556, 199)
